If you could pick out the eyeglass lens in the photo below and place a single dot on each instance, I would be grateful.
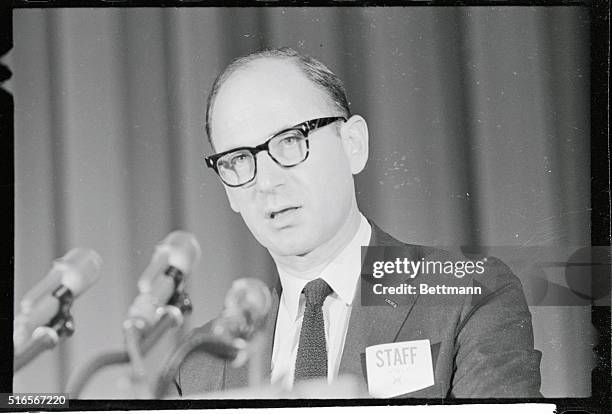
(287, 149)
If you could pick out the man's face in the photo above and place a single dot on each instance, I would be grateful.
(290, 211)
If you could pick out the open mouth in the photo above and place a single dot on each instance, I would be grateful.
(280, 213)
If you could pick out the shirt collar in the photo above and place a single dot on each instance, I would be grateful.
(341, 274)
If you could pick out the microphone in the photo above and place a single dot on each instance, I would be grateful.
(173, 259)
(161, 302)
(69, 277)
(245, 313)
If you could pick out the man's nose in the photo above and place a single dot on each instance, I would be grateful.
(269, 174)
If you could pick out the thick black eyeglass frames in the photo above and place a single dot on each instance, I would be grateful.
(288, 148)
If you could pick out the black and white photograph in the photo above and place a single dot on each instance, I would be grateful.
(313, 203)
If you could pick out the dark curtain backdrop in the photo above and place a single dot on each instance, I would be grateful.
(479, 124)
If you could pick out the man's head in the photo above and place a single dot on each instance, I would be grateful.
(290, 210)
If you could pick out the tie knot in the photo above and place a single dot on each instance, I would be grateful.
(316, 291)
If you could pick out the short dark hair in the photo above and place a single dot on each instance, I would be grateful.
(315, 71)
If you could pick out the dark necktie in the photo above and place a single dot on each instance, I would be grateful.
(311, 358)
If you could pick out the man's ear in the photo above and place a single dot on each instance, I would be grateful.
(354, 134)
(231, 197)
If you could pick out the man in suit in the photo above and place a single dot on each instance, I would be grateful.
(287, 148)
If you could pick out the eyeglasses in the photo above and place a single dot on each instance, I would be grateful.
(287, 148)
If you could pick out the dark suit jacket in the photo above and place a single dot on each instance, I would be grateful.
(482, 346)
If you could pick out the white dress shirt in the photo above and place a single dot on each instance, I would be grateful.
(342, 275)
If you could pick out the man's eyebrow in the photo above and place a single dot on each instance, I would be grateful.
(282, 129)
(278, 131)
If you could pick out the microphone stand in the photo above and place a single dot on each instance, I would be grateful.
(47, 337)
(43, 338)
(138, 372)
(210, 343)
(138, 344)
(256, 364)
(79, 379)
(172, 315)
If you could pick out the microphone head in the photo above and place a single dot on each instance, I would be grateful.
(77, 270)
(247, 305)
(45, 286)
(80, 269)
(179, 249)
(182, 250)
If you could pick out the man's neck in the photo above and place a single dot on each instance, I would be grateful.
(324, 254)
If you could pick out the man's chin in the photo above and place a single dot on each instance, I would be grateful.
(290, 251)
(289, 241)
(289, 248)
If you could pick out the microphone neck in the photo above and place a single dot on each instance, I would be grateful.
(63, 322)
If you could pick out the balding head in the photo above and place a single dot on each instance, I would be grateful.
(313, 70)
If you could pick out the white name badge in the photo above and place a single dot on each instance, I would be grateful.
(399, 368)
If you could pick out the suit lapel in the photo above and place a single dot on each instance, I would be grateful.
(372, 325)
